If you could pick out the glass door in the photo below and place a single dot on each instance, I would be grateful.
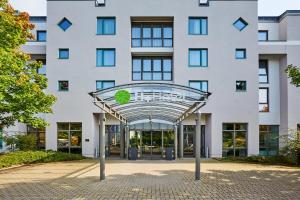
(151, 144)
(156, 144)
(146, 144)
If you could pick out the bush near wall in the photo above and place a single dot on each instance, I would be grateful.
(28, 157)
(272, 160)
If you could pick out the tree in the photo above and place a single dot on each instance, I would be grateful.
(292, 146)
(22, 89)
(294, 73)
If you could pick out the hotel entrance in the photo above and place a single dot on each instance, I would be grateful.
(152, 144)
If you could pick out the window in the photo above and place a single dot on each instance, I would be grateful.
(198, 57)
(100, 85)
(263, 71)
(263, 35)
(63, 86)
(268, 140)
(152, 68)
(264, 100)
(63, 53)
(40, 134)
(203, 2)
(1, 138)
(100, 3)
(41, 36)
(43, 69)
(200, 85)
(198, 25)
(64, 24)
(152, 35)
(240, 53)
(69, 137)
(106, 57)
(234, 140)
(240, 24)
(106, 25)
(241, 86)
(113, 140)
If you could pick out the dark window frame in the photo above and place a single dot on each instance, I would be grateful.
(161, 58)
(264, 64)
(267, 35)
(104, 81)
(243, 21)
(244, 51)
(199, 81)
(237, 90)
(38, 35)
(106, 49)
(198, 18)
(69, 130)
(198, 49)
(152, 38)
(37, 133)
(104, 18)
(268, 100)
(269, 132)
(63, 49)
(204, 4)
(60, 23)
(64, 90)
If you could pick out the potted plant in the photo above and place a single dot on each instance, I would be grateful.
(169, 152)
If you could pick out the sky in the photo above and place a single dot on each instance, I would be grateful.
(265, 7)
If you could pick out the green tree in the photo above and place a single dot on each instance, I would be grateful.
(294, 73)
(292, 146)
(22, 89)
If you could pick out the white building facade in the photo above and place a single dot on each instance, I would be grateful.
(215, 46)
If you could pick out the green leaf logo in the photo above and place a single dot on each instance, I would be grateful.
(122, 97)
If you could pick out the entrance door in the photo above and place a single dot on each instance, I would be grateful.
(151, 144)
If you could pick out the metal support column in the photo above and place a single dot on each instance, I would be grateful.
(127, 141)
(102, 146)
(180, 140)
(122, 140)
(175, 141)
(198, 146)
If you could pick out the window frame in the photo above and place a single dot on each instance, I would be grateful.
(244, 51)
(102, 62)
(59, 89)
(200, 19)
(236, 89)
(69, 130)
(161, 58)
(103, 19)
(38, 35)
(269, 131)
(201, 83)
(266, 67)
(267, 35)
(141, 26)
(243, 21)
(234, 133)
(203, 4)
(104, 81)
(60, 22)
(268, 99)
(61, 50)
(37, 133)
(200, 50)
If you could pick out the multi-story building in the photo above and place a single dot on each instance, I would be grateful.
(218, 46)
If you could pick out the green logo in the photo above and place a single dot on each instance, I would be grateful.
(122, 97)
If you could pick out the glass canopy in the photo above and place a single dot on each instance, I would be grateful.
(140, 101)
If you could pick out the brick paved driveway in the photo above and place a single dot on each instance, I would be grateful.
(149, 180)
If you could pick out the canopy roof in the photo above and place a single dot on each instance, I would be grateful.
(160, 101)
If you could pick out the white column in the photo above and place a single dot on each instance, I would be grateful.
(175, 142)
(180, 140)
(102, 146)
(198, 146)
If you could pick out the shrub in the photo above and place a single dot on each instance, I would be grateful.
(27, 157)
(21, 142)
(292, 146)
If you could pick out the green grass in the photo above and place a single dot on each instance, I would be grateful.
(269, 160)
(28, 157)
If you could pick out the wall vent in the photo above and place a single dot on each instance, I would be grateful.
(99, 3)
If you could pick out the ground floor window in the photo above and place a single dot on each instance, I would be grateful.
(188, 140)
(268, 140)
(1, 138)
(40, 134)
(234, 139)
(112, 140)
(69, 137)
